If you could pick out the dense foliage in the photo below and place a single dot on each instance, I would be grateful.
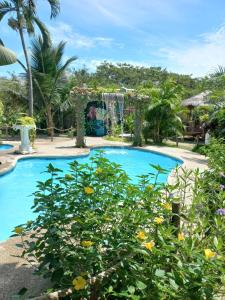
(50, 103)
(14, 99)
(106, 238)
(162, 116)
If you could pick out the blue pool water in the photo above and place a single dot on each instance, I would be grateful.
(17, 186)
(5, 146)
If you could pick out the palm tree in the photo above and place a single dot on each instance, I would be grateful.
(23, 20)
(162, 116)
(48, 70)
(7, 56)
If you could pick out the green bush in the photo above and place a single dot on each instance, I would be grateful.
(106, 238)
(129, 123)
(201, 149)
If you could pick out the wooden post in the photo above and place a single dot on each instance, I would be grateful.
(176, 217)
(138, 125)
(7, 132)
(80, 120)
(177, 141)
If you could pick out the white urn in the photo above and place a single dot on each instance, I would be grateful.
(25, 146)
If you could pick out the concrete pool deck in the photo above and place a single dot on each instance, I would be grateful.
(14, 275)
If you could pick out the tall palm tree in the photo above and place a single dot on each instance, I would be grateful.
(7, 56)
(48, 69)
(23, 17)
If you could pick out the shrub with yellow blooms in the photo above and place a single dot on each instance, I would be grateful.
(116, 239)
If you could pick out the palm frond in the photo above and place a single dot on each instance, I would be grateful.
(55, 7)
(48, 70)
(7, 56)
(44, 32)
(5, 7)
(29, 15)
(68, 62)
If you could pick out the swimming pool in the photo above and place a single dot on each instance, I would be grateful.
(17, 186)
(5, 146)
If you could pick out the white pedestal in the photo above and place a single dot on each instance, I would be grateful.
(25, 146)
(207, 138)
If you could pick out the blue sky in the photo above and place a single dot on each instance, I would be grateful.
(184, 36)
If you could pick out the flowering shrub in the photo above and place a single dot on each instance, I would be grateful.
(103, 237)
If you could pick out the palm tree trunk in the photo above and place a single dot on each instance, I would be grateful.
(29, 73)
(50, 122)
(138, 125)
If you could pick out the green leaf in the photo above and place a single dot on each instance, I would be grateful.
(110, 289)
(57, 275)
(131, 289)
(141, 285)
(215, 242)
(173, 284)
(141, 251)
(159, 273)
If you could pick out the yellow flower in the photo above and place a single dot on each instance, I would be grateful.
(99, 170)
(79, 283)
(87, 244)
(149, 245)
(18, 230)
(88, 190)
(209, 253)
(167, 206)
(158, 220)
(141, 235)
(181, 236)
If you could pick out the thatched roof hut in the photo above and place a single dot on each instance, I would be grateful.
(201, 99)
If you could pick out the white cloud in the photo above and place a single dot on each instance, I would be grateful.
(198, 57)
(65, 32)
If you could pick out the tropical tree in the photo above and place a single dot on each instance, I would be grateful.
(162, 116)
(48, 70)
(216, 116)
(23, 17)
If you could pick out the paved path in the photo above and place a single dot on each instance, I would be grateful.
(14, 275)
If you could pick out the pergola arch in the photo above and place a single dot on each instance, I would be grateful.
(81, 96)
